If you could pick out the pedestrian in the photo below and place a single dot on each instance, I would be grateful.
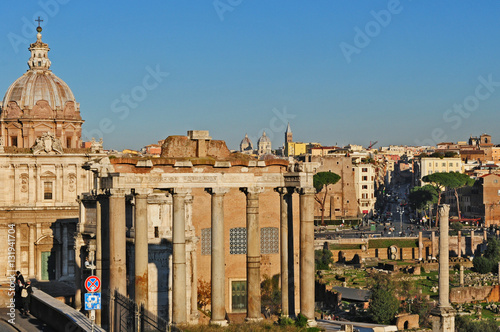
(18, 287)
(26, 296)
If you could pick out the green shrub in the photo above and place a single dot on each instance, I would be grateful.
(301, 321)
(285, 321)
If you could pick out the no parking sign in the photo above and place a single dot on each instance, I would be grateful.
(92, 284)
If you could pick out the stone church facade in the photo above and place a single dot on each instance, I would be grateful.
(41, 172)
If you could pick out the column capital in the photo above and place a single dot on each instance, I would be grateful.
(179, 191)
(306, 190)
(444, 209)
(284, 190)
(252, 190)
(141, 192)
(118, 192)
(217, 190)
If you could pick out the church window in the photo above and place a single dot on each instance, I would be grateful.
(68, 142)
(47, 190)
(39, 63)
(238, 241)
(269, 240)
(206, 241)
(157, 232)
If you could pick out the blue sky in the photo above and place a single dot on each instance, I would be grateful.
(340, 71)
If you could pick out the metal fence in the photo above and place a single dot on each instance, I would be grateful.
(129, 317)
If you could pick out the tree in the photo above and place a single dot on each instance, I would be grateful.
(271, 293)
(440, 181)
(204, 293)
(383, 301)
(421, 197)
(321, 181)
(323, 259)
(461, 180)
(489, 261)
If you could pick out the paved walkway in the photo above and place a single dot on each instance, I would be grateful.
(23, 323)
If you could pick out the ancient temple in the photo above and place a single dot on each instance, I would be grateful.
(201, 213)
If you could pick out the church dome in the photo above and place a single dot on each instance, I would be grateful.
(36, 85)
(39, 93)
(246, 144)
(264, 139)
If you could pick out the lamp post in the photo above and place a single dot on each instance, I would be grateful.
(401, 211)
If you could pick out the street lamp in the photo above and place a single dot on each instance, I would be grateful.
(401, 211)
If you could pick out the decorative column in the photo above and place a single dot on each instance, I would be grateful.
(433, 245)
(64, 249)
(31, 250)
(420, 246)
(444, 319)
(117, 242)
(285, 203)
(253, 254)
(194, 284)
(98, 252)
(218, 257)
(141, 248)
(17, 247)
(459, 243)
(472, 247)
(179, 295)
(461, 275)
(307, 269)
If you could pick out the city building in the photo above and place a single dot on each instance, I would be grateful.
(263, 145)
(364, 181)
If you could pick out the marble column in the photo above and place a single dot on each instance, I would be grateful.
(141, 248)
(433, 245)
(218, 276)
(461, 275)
(98, 252)
(253, 255)
(459, 243)
(420, 246)
(64, 249)
(17, 247)
(179, 293)
(444, 314)
(307, 269)
(117, 242)
(472, 242)
(285, 203)
(31, 250)
(194, 285)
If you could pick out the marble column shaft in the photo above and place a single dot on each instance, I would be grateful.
(253, 255)
(141, 249)
(31, 250)
(444, 256)
(17, 247)
(218, 274)
(420, 246)
(459, 243)
(285, 200)
(117, 243)
(64, 249)
(179, 294)
(307, 268)
(433, 245)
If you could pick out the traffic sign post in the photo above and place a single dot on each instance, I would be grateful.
(92, 284)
